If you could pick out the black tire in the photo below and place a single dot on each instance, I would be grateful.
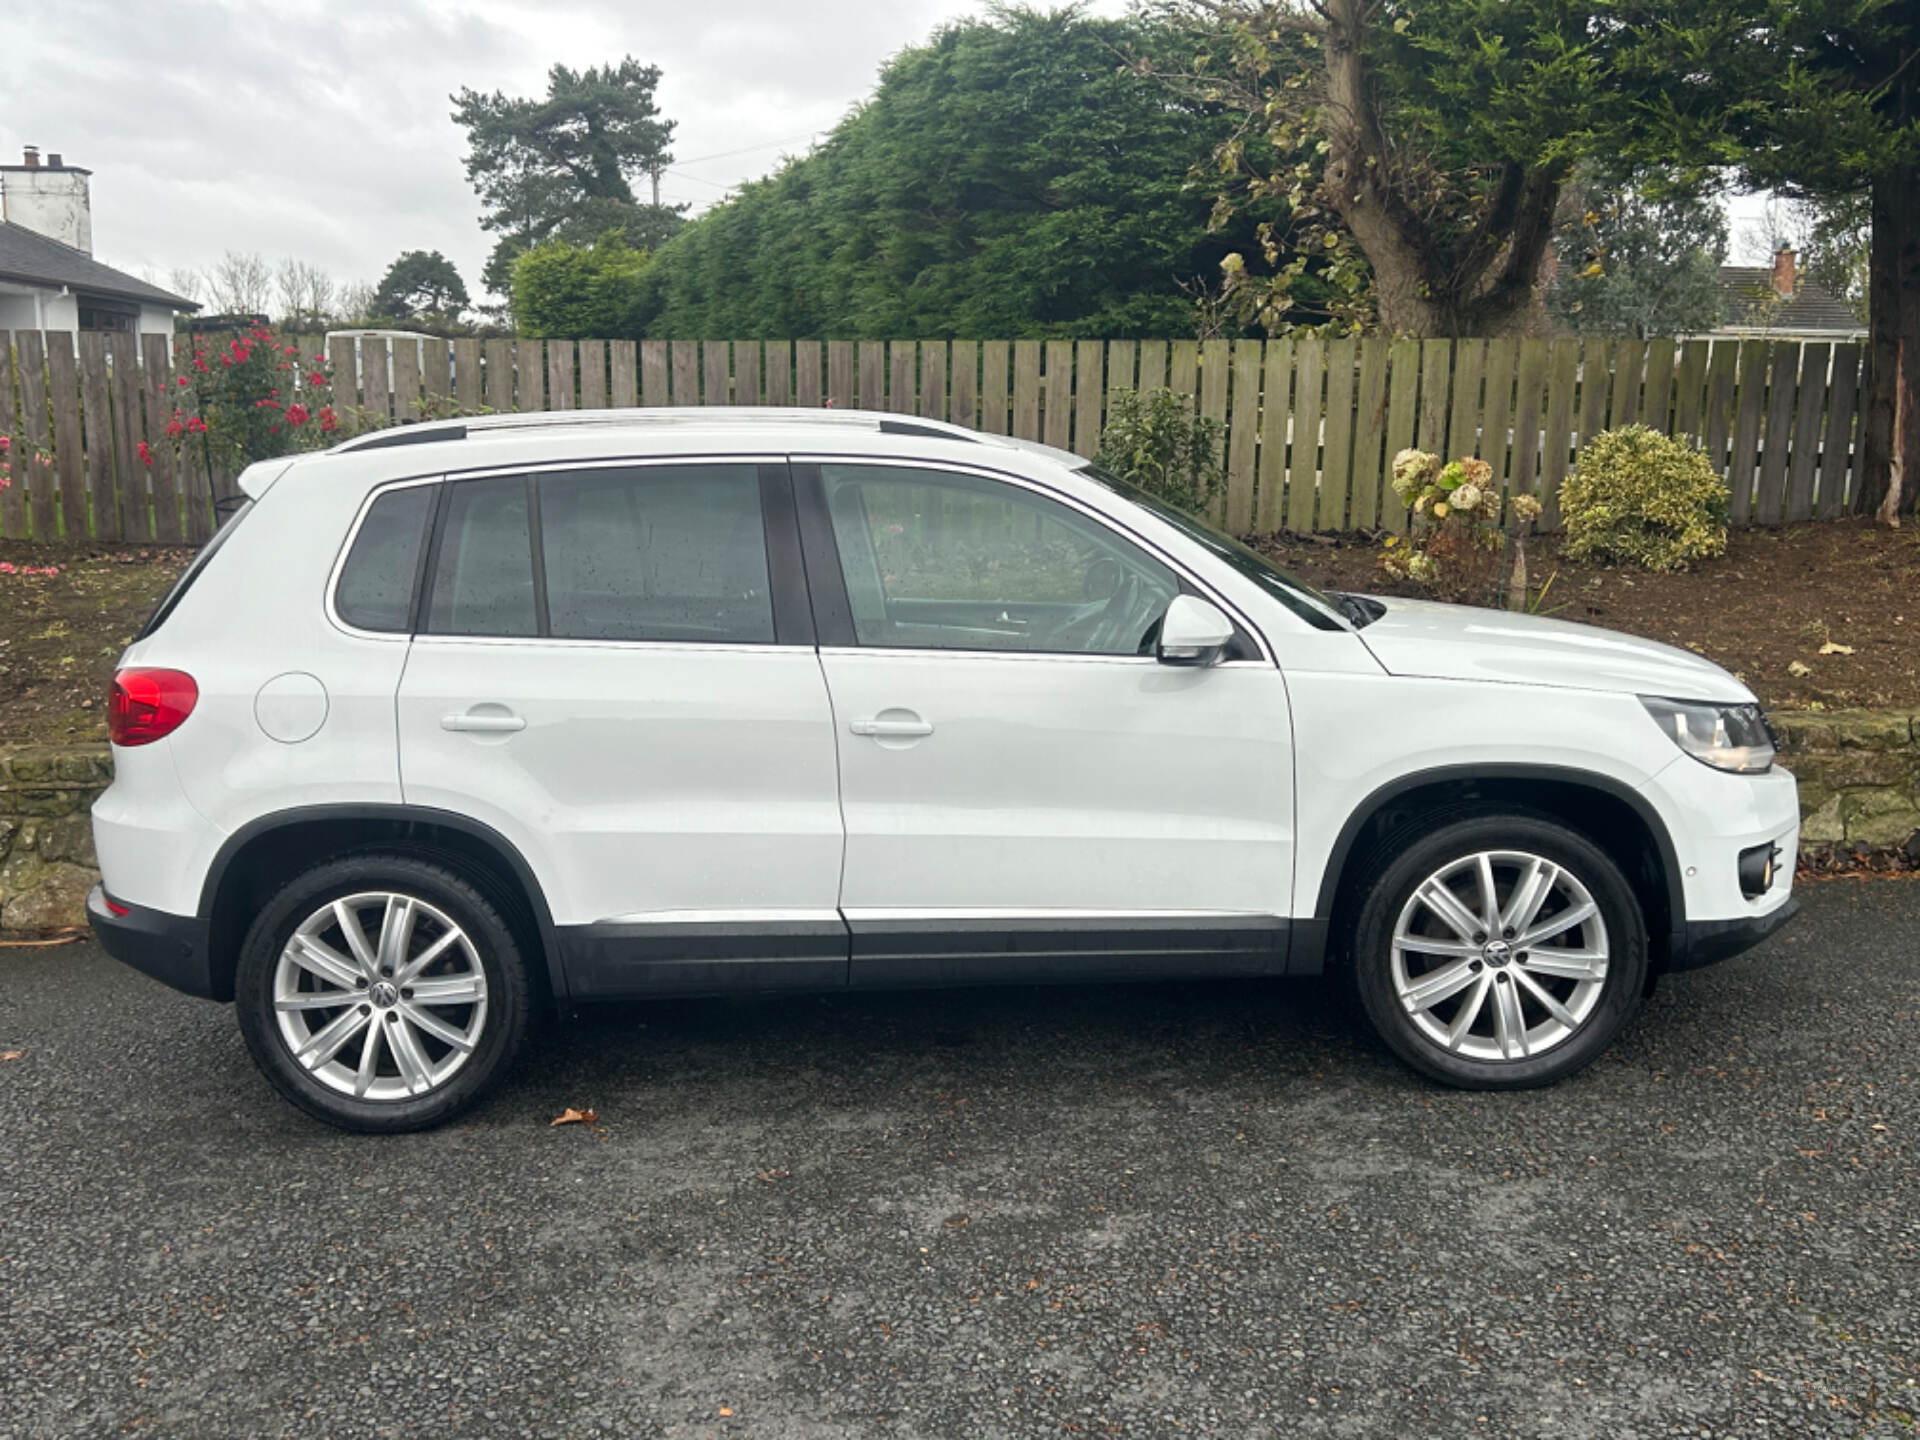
(500, 1031)
(1405, 862)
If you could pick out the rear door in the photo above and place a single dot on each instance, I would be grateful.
(615, 669)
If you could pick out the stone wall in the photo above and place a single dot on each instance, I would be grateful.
(1859, 787)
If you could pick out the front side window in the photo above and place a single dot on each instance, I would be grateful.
(940, 560)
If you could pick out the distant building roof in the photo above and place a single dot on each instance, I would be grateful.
(1755, 305)
(29, 258)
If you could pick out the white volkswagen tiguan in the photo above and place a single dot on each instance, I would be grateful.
(460, 718)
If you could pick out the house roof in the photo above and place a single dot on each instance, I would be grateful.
(1752, 304)
(30, 258)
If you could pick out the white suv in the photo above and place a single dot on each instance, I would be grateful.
(459, 717)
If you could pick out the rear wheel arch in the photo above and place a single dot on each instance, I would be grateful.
(1609, 813)
(263, 856)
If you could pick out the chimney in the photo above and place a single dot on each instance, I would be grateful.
(1784, 272)
(53, 200)
(32, 161)
(53, 160)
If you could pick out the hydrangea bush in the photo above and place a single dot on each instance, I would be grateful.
(1637, 497)
(1455, 544)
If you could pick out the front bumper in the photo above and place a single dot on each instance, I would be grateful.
(171, 948)
(1706, 942)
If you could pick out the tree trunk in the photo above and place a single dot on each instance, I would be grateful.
(1890, 416)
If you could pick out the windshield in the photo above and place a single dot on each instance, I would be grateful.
(1320, 610)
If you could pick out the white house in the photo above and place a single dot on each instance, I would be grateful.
(49, 279)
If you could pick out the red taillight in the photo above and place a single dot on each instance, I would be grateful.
(114, 907)
(145, 705)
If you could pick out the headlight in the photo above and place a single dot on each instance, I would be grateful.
(1727, 737)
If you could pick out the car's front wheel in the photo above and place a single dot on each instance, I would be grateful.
(1499, 952)
(381, 993)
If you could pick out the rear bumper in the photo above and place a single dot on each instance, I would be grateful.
(171, 948)
(1709, 941)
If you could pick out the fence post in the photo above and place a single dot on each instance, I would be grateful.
(158, 404)
(97, 425)
(13, 509)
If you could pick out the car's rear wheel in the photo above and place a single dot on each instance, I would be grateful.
(381, 993)
(1499, 952)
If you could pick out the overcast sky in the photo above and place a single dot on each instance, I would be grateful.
(322, 129)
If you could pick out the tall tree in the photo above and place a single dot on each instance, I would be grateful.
(1641, 259)
(1442, 131)
(564, 167)
(421, 285)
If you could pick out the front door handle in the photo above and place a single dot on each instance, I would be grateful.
(492, 720)
(892, 725)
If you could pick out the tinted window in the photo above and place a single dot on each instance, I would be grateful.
(376, 583)
(483, 580)
(937, 560)
(670, 552)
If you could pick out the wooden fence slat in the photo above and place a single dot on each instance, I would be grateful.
(1403, 412)
(933, 379)
(778, 385)
(995, 356)
(1056, 395)
(1276, 410)
(685, 377)
(406, 381)
(1530, 390)
(129, 474)
(1496, 435)
(746, 372)
(623, 367)
(376, 382)
(100, 506)
(1690, 388)
(1026, 389)
(13, 509)
(1122, 356)
(840, 374)
(1436, 369)
(655, 388)
(468, 371)
(593, 374)
(1089, 396)
(1716, 419)
(1463, 428)
(873, 375)
(964, 364)
(1771, 502)
(36, 480)
(1805, 456)
(560, 377)
(497, 382)
(1183, 368)
(436, 378)
(1216, 360)
(1337, 448)
(157, 404)
(63, 390)
(1303, 447)
(901, 381)
(1657, 409)
(1563, 380)
(1630, 360)
(1746, 429)
(196, 486)
(1596, 388)
(1370, 429)
(809, 378)
(1241, 439)
(717, 367)
(1153, 364)
(1836, 445)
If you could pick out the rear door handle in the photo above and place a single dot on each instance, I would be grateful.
(495, 721)
(901, 728)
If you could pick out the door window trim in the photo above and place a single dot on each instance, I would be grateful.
(827, 586)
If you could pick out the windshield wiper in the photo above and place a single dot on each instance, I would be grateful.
(1357, 608)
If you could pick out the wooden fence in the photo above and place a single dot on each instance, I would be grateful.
(1311, 425)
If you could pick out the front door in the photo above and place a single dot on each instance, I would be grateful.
(615, 671)
(1027, 793)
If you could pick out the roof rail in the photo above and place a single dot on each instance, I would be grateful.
(410, 433)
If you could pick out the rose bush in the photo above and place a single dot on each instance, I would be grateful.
(252, 398)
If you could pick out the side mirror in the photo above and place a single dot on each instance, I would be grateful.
(1193, 632)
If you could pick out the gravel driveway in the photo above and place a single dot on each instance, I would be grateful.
(1167, 1210)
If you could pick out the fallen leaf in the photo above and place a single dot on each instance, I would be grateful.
(726, 1410)
(772, 1175)
(1833, 647)
(11, 1054)
(571, 1116)
(1798, 670)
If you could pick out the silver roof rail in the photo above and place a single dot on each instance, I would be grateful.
(428, 432)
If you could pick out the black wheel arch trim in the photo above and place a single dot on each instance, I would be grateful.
(508, 853)
(1677, 941)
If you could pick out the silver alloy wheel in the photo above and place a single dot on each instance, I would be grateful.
(387, 1018)
(1500, 955)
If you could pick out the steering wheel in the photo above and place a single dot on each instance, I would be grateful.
(1104, 576)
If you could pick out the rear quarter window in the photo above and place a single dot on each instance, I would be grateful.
(377, 583)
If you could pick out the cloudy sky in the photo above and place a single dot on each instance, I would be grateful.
(321, 129)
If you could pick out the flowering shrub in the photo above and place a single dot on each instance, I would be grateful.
(23, 455)
(1638, 497)
(1156, 441)
(1456, 543)
(255, 399)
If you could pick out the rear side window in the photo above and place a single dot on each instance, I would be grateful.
(660, 552)
(193, 572)
(377, 582)
(483, 580)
